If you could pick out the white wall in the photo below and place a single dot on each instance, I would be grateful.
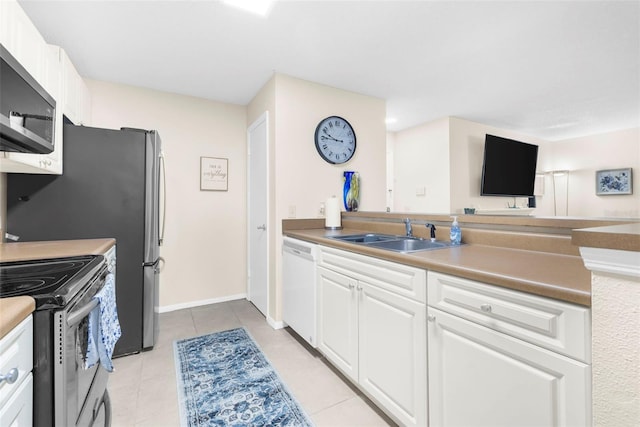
(421, 162)
(205, 240)
(301, 179)
(582, 157)
(449, 151)
(467, 152)
(445, 158)
(616, 349)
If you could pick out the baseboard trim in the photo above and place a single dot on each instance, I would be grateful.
(191, 304)
(275, 324)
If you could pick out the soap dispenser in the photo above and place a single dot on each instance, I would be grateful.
(455, 233)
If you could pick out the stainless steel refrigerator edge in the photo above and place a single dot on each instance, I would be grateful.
(110, 187)
(153, 240)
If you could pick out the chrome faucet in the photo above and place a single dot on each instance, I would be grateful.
(407, 227)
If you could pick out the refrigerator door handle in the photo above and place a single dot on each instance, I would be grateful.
(164, 197)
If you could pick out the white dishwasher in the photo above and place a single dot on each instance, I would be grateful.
(299, 287)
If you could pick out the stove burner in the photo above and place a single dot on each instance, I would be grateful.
(43, 278)
(29, 285)
(44, 268)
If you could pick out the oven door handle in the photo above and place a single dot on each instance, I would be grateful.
(77, 315)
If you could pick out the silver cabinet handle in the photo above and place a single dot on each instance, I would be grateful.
(431, 318)
(262, 227)
(486, 308)
(11, 376)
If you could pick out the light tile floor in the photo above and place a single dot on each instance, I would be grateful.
(143, 386)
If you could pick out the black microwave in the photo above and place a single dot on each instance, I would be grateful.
(27, 111)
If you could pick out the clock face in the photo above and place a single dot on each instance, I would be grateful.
(335, 140)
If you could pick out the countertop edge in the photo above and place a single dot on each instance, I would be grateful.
(14, 310)
(537, 287)
(26, 251)
(624, 237)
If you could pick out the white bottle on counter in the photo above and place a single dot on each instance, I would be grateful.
(455, 233)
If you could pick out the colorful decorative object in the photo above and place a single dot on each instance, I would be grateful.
(614, 181)
(351, 191)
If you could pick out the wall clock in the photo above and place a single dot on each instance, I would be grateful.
(335, 140)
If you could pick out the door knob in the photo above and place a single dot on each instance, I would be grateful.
(262, 227)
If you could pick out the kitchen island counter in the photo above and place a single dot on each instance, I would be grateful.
(25, 251)
(557, 276)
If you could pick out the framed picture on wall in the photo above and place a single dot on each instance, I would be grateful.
(213, 174)
(614, 181)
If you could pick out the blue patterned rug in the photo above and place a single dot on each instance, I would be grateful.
(225, 380)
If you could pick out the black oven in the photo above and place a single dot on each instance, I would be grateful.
(65, 392)
(27, 111)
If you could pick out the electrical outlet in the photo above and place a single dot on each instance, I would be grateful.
(321, 211)
(292, 211)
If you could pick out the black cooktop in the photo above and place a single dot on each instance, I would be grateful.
(49, 282)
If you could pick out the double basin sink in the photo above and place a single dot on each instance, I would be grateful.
(404, 244)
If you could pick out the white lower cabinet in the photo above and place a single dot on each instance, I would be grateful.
(16, 362)
(338, 320)
(484, 370)
(375, 336)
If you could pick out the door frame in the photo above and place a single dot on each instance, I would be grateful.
(263, 118)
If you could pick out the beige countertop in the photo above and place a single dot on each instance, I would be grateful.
(12, 311)
(624, 237)
(24, 251)
(562, 277)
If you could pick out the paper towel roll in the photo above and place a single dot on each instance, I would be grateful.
(332, 219)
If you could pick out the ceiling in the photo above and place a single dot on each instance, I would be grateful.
(550, 69)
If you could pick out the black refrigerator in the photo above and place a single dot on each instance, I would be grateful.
(110, 187)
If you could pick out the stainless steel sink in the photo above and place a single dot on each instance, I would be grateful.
(366, 238)
(410, 245)
(389, 242)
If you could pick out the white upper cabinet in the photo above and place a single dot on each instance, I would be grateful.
(50, 67)
(75, 99)
(23, 40)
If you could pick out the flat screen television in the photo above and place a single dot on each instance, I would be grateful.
(509, 167)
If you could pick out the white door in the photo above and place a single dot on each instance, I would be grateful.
(258, 234)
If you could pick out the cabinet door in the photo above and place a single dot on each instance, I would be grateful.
(18, 410)
(480, 377)
(393, 353)
(338, 320)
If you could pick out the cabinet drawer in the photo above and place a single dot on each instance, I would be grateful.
(558, 326)
(16, 351)
(397, 278)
